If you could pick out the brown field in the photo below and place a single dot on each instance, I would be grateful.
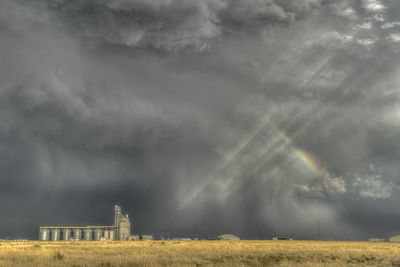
(200, 253)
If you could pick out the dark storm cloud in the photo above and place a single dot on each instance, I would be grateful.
(254, 117)
(177, 24)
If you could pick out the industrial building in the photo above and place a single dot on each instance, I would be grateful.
(376, 240)
(119, 231)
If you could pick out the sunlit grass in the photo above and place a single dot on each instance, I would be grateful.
(200, 253)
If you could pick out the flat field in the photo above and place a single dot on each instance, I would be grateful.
(200, 253)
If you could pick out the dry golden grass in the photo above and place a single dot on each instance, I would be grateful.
(200, 253)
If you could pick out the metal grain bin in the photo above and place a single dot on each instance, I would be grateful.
(88, 234)
(44, 234)
(98, 234)
(55, 234)
(112, 235)
(66, 234)
(107, 234)
(77, 234)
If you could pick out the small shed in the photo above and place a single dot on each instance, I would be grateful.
(228, 237)
(395, 238)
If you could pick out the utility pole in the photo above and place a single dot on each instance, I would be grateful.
(319, 234)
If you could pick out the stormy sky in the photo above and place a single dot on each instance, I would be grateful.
(253, 117)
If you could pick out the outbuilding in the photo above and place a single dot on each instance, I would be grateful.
(228, 237)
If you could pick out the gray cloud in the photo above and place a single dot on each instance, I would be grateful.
(254, 117)
(373, 5)
(174, 25)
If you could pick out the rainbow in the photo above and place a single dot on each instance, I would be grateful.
(332, 183)
(303, 156)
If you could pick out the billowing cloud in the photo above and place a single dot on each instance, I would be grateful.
(394, 37)
(167, 25)
(373, 5)
(177, 24)
(373, 187)
(390, 25)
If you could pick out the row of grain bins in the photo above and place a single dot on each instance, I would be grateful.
(87, 233)
(120, 230)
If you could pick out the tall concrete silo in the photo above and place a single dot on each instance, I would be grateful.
(77, 234)
(66, 234)
(124, 228)
(87, 234)
(98, 234)
(55, 234)
(117, 214)
(122, 223)
(44, 234)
